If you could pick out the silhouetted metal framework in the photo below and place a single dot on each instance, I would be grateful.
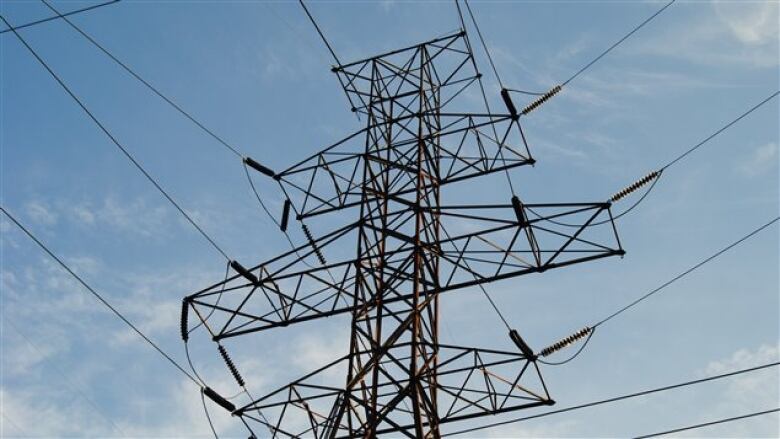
(411, 249)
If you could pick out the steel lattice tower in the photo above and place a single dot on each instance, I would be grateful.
(391, 176)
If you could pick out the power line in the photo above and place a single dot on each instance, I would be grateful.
(129, 70)
(97, 295)
(587, 66)
(319, 31)
(618, 398)
(333, 53)
(707, 424)
(724, 128)
(116, 142)
(482, 40)
(642, 24)
(44, 20)
(73, 386)
(688, 271)
(13, 424)
(672, 162)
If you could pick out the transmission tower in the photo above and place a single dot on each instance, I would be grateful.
(411, 248)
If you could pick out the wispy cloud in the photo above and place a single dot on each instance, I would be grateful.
(763, 159)
(40, 213)
(742, 33)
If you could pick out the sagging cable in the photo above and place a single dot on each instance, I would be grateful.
(219, 399)
(285, 215)
(549, 350)
(259, 168)
(185, 309)
(231, 366)
(636, 185)
(313, 244)
(244, 272)
(522, 345)
(533, 105)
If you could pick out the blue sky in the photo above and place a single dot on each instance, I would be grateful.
(257, 74)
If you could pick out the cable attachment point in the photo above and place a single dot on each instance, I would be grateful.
(636, 185)
(231, 366)
(541, 100)
(185, 309)
(522, 345)
(313, 244)
(244, 272)
(258, 167)
(218, 399)
(566, 341)
(508, 102)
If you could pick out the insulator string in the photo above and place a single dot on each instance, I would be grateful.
(231, 366)
(544, 98)
(313, 244)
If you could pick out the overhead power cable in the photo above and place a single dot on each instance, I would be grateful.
(571, 78)
(319, 31)
(618, 42)
(44, 20)
(484, 46)
(143, 81)
(116, 142)
(98, 296)
(333, 53)
(74, 387)
(724, 128)
(687, 272)
(707, 424)
(617, 398)
(589, 330)
(656, 176)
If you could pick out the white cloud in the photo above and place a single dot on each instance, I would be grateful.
(552, 429)
(753, 23)
(763, 159)
(40, 213)
(751, 392)
(732, 33)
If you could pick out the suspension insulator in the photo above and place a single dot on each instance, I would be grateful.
(517, 205)
(522, 345)
(219, 399)
(542, 99)
(566, 341)
(244, 272)
(508, 102)
(185, 309)
(285, 215)
(637, 184)
(231, 366)
(313, 244)
(258, 167)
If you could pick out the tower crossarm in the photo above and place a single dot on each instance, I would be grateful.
(504, 241)
(470, 145)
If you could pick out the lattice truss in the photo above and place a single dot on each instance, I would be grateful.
(411, 249)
